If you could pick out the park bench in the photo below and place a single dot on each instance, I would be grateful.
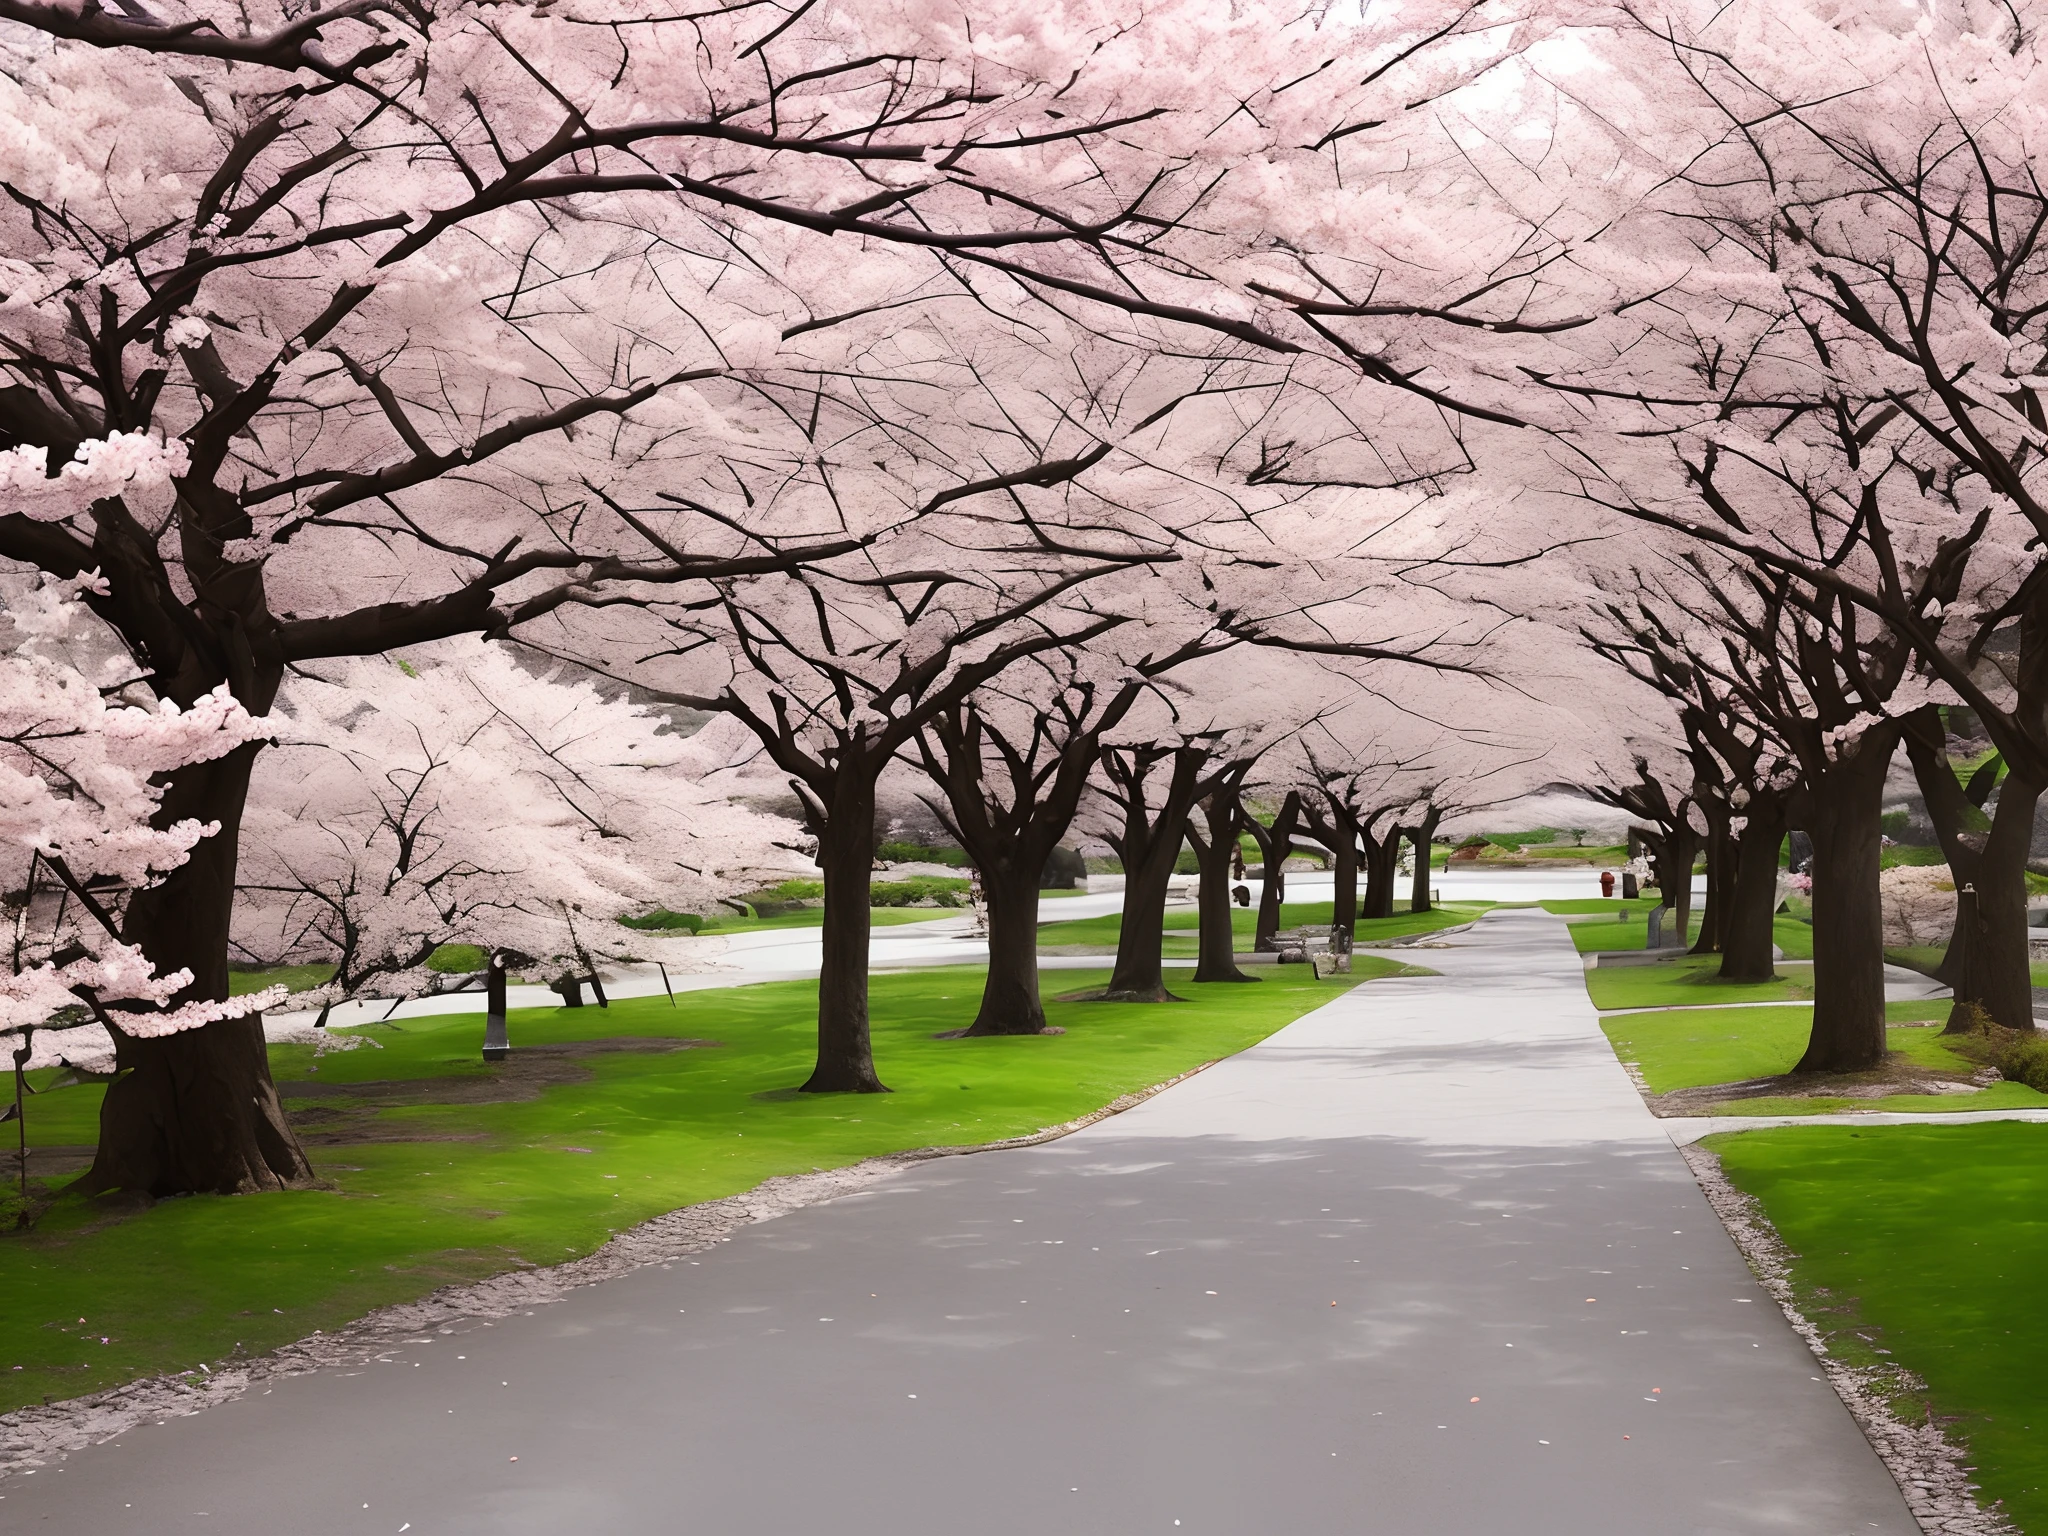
(1327, 948)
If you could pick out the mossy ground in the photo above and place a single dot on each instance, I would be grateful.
(451, 1184)
(1924, 1247)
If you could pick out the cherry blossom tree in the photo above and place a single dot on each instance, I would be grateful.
(1743, 778)
(1657, 798)
(80, 802)
(1361, 786)
(327, 332)
(1839, 388)
(1276, 840)
(1214, 826)
(1014, 760)
(458, 797)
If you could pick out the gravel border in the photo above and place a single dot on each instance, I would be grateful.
(1928, 1466)
(35, 1436)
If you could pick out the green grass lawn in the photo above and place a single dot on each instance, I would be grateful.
(1690, 982)
(1926, 957)
(1103, 931)
(1693, 1049)
(814, 917)
(1624, 931)
(296, 977)
(1929, 1243)
(1729, 1045)
(443, 1192)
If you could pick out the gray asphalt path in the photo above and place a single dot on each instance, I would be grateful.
(1421, 1263)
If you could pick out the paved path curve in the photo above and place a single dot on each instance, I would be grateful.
(1421, 1264)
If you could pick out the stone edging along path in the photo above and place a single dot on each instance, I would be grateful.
(31, 1437)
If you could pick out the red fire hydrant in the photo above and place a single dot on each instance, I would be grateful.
(1606, 882)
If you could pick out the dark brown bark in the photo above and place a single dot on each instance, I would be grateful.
(1748, 949)
(1213, 829)
(1420, 836)
(1720, 850)
(1841, 816)
(1148, 844)
(1010, 826)
(1999, 978)
(846, 853)
(1010, 1003)
(1275, 842)
(1333, 824)
(1344, 867)
(1986, 965)
(1382, 866)
(196, 1112)
(1673, 849)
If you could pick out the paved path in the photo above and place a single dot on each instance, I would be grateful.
(791, 954)
(1420, 1265)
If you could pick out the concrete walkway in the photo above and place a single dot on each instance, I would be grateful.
(1422, 1264)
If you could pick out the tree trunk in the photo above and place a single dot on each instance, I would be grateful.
(1009, 1000)
(1986, 967)
(1138, 976)
(1747, 947)
(1344, 854)
(1960, 827)
(1010, 842)
(1215, 841)
(1275, 844)
(1720, 881)
(1997, 976)
(1382, 869)
(1848, 924)
(1149, 848)
(846, 852)
(196, 1112)
(1418, 900)
(1671, 860)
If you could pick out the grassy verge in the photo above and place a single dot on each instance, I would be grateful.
(1927, 958)
(1628, 928)
(1692, 981)
(1103, 931)
(1587, 906)
(1695, 1049)
(296, 977)
(1923, 1247)
(814, 917)
(1728, 1045)
(452, 1171)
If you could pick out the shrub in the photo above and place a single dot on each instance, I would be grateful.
(2024, 1059)
(458, 959)
(2021, 1056)
(937, 890)
(1515, 842)
(921, 853)
(661, 920)
(790, 891)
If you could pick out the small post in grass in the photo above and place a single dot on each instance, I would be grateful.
(671, 991)
(497, 1043)
(14, 1113)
